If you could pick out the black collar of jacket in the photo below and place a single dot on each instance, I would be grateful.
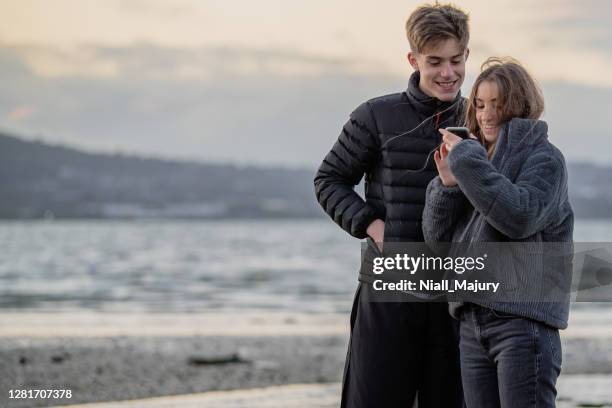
(424, 103)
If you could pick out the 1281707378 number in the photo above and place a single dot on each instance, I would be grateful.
(37, 393)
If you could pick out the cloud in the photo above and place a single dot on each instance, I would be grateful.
(157, 62)
(560, 40)
(227, 113)
(20, 112)
(57, 62)
(166, 9)
(265, 114)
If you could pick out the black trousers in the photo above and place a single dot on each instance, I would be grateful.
(398, 350)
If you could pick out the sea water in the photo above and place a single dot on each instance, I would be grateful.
(302, 265)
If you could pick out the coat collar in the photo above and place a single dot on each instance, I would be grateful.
(519, 135)
(425, 103)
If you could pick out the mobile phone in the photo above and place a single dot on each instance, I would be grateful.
(462, 132)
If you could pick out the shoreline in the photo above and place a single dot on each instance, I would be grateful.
(585, 391)
(113, 324)
(324, 395)
(38, 324)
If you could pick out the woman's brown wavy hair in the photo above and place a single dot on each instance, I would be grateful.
(519, 96)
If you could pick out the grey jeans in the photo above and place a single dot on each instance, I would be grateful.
(507, 361)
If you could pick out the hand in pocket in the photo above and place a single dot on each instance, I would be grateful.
(376, 231)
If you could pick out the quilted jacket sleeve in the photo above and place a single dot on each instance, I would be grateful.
(354, 153)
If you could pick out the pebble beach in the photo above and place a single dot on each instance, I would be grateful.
(219, 360)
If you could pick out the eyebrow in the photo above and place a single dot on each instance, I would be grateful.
(480, 100)
(430, 57)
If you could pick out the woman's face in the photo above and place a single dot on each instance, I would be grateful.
(487, 110)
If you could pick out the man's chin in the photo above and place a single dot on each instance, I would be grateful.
(447, 96)
(441, 94)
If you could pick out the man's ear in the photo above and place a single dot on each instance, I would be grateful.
(467, 53)
(412, 60)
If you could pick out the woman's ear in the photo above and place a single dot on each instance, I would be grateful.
(412, 60)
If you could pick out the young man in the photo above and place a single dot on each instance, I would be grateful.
(399, 349)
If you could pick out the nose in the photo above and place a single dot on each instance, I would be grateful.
(447, 70)
(488, 114)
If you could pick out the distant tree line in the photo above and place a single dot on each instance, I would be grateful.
(41, 180)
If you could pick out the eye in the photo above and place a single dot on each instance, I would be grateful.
(455, 62)
(480, 107)
(434, 64)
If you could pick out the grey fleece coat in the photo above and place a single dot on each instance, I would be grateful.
(519, 195)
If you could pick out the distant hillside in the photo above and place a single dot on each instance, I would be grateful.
(40, 180)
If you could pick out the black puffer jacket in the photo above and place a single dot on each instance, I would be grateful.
(369, 144)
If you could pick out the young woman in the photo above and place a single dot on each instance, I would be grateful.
(506, 184)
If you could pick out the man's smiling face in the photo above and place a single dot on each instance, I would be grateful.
(442, 68)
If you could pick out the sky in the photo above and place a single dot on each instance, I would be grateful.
(271, 82)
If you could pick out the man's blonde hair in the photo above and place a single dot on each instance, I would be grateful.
(429, 24)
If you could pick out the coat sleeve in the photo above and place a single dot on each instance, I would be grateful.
(354, 153)
(517, 209)
(443, 206)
